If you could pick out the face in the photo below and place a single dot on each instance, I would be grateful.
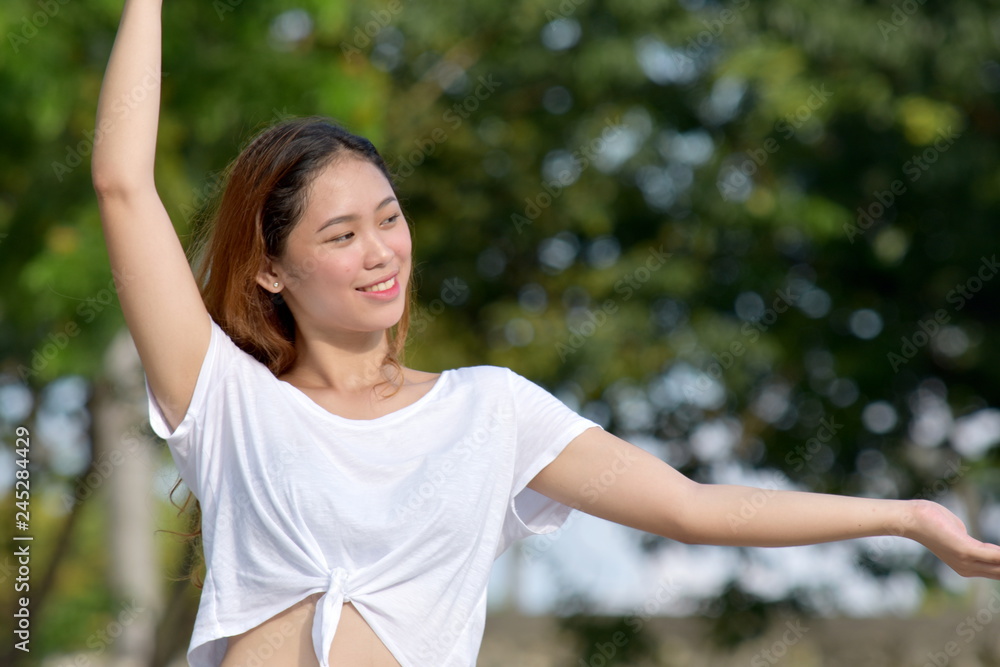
(352, 234)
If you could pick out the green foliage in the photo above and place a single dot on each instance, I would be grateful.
(824, 106)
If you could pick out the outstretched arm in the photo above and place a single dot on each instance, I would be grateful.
(128, 107)
(159, 296)
(603, 475)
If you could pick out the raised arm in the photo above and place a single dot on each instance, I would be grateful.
(158, 293)
(601, 474)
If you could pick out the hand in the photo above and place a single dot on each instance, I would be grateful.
(946, 537)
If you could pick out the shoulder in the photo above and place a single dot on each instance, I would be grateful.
(228, 347)
(498, 379)
(482, 369)
(481, 374)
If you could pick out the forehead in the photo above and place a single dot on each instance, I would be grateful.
(348, 185)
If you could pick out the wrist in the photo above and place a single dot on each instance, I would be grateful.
(910, 521)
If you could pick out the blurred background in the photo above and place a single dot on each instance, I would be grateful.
(756, 238)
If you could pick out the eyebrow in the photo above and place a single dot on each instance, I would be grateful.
(353, 216)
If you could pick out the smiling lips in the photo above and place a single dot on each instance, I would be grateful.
(380, 287)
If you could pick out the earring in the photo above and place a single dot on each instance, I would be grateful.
(275, 284)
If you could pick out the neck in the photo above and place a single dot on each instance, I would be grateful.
(350, 364)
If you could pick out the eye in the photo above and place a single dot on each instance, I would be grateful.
(390, 220)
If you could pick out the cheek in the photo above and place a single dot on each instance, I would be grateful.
(324, 268)
(401, 242)
(304, 264)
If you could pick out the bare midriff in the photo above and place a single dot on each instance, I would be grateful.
(285, 640)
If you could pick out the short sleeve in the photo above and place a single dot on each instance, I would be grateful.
(544, 426)
(218, 359)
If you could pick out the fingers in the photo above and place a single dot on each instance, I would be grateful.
(981, 559)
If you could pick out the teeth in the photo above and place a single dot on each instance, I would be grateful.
(381, 287)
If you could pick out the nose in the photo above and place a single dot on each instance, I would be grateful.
(378, 252)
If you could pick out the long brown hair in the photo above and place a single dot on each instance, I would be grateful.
(262, 199)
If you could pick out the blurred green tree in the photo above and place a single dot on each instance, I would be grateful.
(774, 219)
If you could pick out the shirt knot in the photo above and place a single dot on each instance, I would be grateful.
(328, 613)
(339, 582)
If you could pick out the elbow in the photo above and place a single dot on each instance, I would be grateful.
(109, 185)
(682, 522)
(686, 537)
(673, 528)
(105, 186)
(116, 176)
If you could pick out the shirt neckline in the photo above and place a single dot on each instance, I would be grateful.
(309, 403)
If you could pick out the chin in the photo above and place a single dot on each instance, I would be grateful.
(387, 323)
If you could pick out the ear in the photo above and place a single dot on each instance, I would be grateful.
(267, 277)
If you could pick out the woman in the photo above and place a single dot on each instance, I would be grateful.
(352, 507)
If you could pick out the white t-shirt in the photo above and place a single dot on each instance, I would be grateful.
(402, 515)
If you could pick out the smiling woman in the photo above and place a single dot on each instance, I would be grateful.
(353, 507)
(307, 208)
(321, 268)
(308, 213)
